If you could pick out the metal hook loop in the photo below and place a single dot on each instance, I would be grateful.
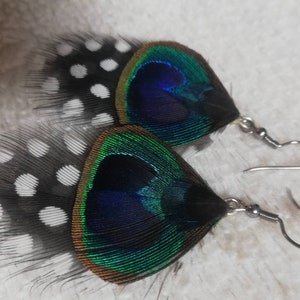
(247, 125)
(254, 211)
(234, 206)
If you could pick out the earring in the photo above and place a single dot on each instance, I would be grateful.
(165, 87)
(46, 164)
(138, 205)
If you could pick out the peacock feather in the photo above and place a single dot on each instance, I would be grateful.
(139, 207)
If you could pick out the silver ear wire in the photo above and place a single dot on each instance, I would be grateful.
(289, 192)
(247, 125)
(270, 168)
(254, 211)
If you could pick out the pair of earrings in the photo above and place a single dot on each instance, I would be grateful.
(107, 187)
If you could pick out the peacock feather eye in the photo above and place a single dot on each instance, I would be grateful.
(171, 91)
(139, 206)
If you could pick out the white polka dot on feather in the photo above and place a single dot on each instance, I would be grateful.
(61, 264)
(75, 145)
(103, 119)
(64, 49)
(78, 71)
(50, 85)
(122, 46)
(92, 45)
(26, 185)
(53, 216)
(68, 175)
(73, 108)
(108, 64)
(20, 244)
(37, 148)
(101, 91)
(5, 156)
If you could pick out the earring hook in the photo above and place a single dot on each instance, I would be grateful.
(290, 194)
(267, 168)
(254, 211)
(247, 125)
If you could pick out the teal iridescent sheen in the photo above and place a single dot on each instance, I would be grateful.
(171, 91)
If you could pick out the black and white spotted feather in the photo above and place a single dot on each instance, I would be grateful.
(76, 78)
(73, 83)
(39, 171)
